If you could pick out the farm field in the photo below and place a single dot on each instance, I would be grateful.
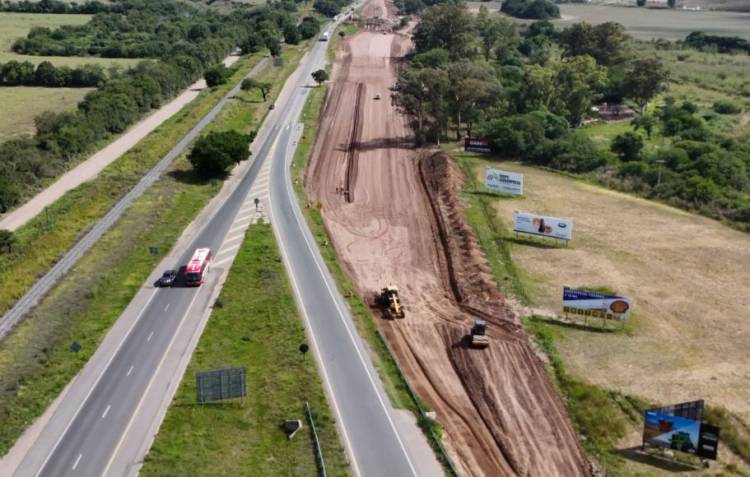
(686, 274)
(16, 25)
(22, 104)
(646, 24)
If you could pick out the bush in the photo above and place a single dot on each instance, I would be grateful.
(213, 153)
(309, 27)
(628, 146)
(216, 75)
(533, 9)
(725, 107)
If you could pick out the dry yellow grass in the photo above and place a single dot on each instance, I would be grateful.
(22, 104)
(689, 277)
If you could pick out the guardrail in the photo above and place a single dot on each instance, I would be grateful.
(425, 421)
(318, 451)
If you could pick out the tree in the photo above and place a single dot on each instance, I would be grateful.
(9, 193)
(7, 239)
(578, 82)
(448, 26)
(628, 146)
(469, 84)
(640, 3)
(320, 76)
(274, 46)
(644, 79)
(216, 75)
(213, 153)
(422, 96)
(671, 3)
(328, 8)
(647, 122)
(604, 42)
(291, 35)
(309, 27)
(534, 9)
(496, 33)
(263, 86)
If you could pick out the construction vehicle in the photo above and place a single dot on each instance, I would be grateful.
(479, 338)
(390, 302)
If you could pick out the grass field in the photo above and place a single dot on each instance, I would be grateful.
(22, 104)
(17, 25)
(258, 328)
(646, 24)
(684, 273)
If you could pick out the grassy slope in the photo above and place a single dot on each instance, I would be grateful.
(21, 105)
(35, 363)
(258, 328)
(606, 418)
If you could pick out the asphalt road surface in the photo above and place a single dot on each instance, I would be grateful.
(90, 439)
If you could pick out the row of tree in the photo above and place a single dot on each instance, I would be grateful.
(123, 98)
(531, 9)
(330, 8)
(530, 91)
(16, 73)
(56, 6)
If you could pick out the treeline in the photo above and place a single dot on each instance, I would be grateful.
(56, 6)
(201, 38)
(722, 44)
(529, 91)
(330, 8)
(15, 73)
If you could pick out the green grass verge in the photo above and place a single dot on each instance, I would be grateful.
(35, 361)
(257, 327)
(42, 241)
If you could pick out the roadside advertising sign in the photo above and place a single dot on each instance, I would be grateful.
(662, 429)
(477, 144)
(595, 305)
(542, 225)
(503, 181)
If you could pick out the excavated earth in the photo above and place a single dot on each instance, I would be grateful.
(394, 216)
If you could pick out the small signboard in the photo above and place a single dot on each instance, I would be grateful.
(595, 305)
(503, 181)
(543, 225)
(679, 427)
(220, 384)
(477, 144)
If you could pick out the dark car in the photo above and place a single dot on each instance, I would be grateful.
(167, 280)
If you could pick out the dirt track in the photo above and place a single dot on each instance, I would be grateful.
(394, 216)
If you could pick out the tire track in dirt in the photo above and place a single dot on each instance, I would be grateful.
(350, 176)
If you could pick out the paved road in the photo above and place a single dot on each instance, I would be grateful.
(92, 436)
(13, 316)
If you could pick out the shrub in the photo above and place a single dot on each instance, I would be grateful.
(216, 75)
(726, 107)
(534, 9)
(213, 153)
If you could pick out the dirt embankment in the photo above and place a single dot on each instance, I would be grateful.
(394, 216)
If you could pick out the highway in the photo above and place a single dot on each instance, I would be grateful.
(97, 414)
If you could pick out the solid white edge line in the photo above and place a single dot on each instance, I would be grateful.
(96, 383)
(150, 382)
(78, 459)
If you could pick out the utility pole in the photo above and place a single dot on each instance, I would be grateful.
(658, 177)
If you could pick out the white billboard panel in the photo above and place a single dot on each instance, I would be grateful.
(503, 181)
(543, 225)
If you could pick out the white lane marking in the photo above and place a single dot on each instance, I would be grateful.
(150, 335)
(233, 238)
(223, 261)
(342, 316)
(224, 250)
(129, 371)
(75, 464)
(98, 378)
(239, 227)
(166, 307)
(148, 387)
(106, 411)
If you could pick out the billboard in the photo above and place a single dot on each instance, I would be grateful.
(503, 181)
(662, 429)
(477, 144)
(220, 384)
(542, 225)
(595, 305)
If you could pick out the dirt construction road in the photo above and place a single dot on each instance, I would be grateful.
(394, 217)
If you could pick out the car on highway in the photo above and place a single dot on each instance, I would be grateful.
(377, 96)
(167, 279)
